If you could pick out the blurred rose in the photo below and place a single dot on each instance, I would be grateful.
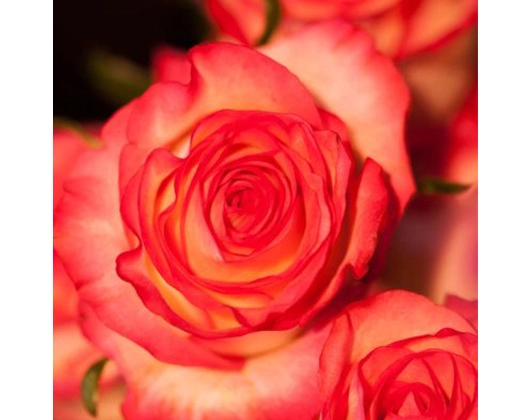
(448, 150)
(398, 355)
(462, 151)
(214, 213)
(73, 354)
(441, 80)
(435, 249)
(400, 27)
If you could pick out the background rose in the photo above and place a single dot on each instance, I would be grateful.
(435, 249)
(400, 27)
(448, 149)
(158, 140)
(73, 354)
(398, 354)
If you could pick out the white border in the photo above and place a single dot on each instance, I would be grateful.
(504, 210)
(26, 41)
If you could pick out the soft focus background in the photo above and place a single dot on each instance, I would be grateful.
(125, 28)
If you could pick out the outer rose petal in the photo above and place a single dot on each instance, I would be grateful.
(171, 65)
(397, 315)
(72, 352)
(467, 308)
(251, 82)
(64, 295)
(83, 219)
(360, 86)
(67, 146)
(278, 385)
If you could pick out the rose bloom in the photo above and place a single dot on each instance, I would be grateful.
(397, 355)
(400, 27)
(225, 210)
(73, 354)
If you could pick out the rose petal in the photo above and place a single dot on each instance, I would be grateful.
(279, 385)
(397, 315)
(467, 308)
(357, 84)
(171, 65)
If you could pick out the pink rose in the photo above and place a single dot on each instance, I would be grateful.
(210, 229)
(398, 355)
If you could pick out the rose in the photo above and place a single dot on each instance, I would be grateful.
(73, 354)
(398, 355)
(182, 252)
(216, 212)
(251, 216)
(400, 27)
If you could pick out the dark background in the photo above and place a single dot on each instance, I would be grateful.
(128, 28)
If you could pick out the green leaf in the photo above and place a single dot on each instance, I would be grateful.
(274, 15)
(90, 384)
(116, 79)
(68, 124)
(430, 186)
